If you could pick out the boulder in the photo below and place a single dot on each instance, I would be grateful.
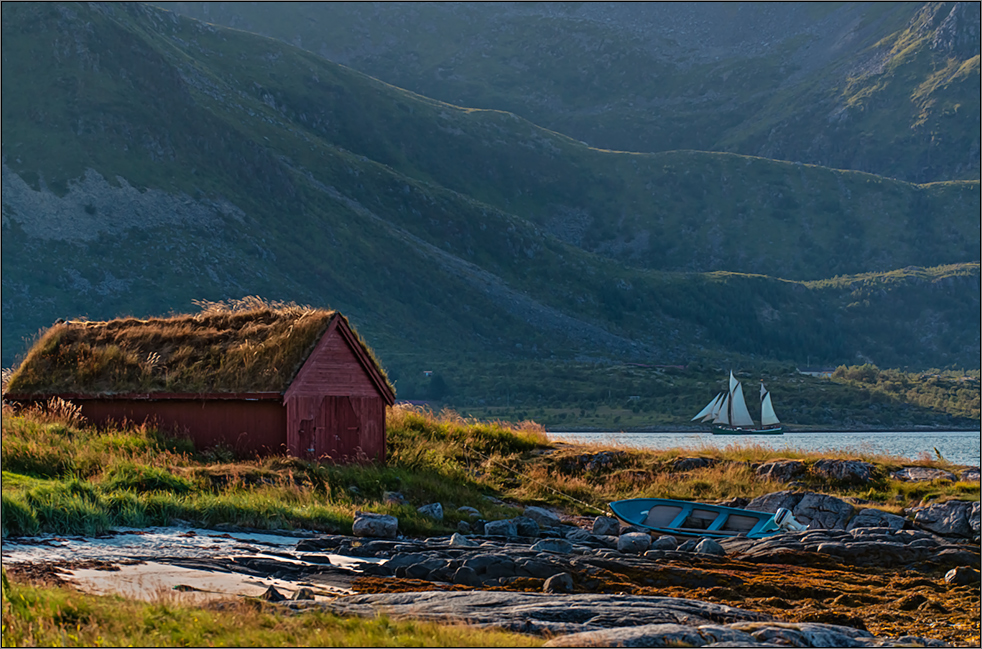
(952, 518)
(375, 525)
(558, 546)
(605, 525)
(500, 528)
(470, 512)
(466, 577)
(970, 474)
(634, 543)
(502, 567)
(526, 526)
(665, 543)
(463, 527)
(561, 583)
(542, 516)
(963, 576)
(433, 510)
(921, 474)
(773, 501)
(876, 518)
(821, 511)
(780, 470)
(709, 546)
(851, 471)
(461, 541)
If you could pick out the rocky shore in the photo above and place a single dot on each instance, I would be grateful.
(855, 577)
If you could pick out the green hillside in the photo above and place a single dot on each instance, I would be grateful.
(887, 88)
(150, 160)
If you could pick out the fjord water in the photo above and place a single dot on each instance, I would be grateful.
(959, 447)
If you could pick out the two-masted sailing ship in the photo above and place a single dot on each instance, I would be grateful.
(729, 415)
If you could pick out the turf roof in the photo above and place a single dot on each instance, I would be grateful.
(244, 346)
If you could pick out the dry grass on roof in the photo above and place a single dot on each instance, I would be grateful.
(243, 346)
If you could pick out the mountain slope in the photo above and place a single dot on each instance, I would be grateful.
(887, 88)
(149, 160)
(251, 100)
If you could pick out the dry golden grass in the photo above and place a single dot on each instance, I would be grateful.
(242, 346)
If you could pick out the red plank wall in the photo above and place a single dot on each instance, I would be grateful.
(334, 409)
(245, 426)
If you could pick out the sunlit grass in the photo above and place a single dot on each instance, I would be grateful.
(59, 617)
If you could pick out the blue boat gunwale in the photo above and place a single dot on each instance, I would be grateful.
(764, 526)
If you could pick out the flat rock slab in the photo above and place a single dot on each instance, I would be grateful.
(540, 613)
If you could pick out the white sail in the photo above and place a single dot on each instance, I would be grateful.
(733, 382)
(767, 416)
(712, 416)
(763, 390)
(708, 410)
(723, 416)
(740, 416)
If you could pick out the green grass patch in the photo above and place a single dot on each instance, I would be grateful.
(441, 458)
(60, 617)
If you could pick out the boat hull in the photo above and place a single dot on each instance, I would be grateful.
(733, 430)
(682, 518)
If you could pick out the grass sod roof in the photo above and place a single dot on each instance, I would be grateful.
(238, 346)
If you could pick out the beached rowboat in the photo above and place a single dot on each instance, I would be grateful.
(683, 518)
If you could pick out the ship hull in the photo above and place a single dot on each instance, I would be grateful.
(733, 430)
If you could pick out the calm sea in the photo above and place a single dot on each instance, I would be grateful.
(960, 447)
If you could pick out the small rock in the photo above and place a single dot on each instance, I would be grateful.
(303, 594)
(272, 595)
(633, 529)
(664, 543)
(709, 546)
(578, 535)
(525, 526)
(354, 490)
(558, 546)
(634, 543)
(970, 474)
(921, 474)
(394, 498)
(501, 528)
(963, 576)
(561, 583)
(605, 525)
(463, 527)
(688, 546)
(469, 512)
(433, 510)
(461, 541)
(367, 524)
(542, 516)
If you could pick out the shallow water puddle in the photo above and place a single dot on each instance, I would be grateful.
(144, 563)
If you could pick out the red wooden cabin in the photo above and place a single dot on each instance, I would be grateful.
(261, 381)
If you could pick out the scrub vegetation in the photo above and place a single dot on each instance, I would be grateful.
(61, 475)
